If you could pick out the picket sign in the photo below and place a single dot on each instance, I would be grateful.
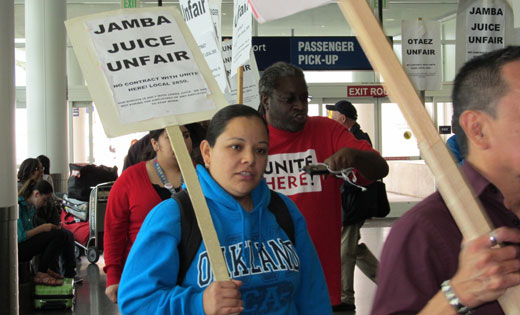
(453, 186)
(104, 92)
(240, 85)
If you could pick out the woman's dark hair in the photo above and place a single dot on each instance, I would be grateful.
(148, 152)
(45, 162)
(29, 186)
(221, 119)
(27, 168)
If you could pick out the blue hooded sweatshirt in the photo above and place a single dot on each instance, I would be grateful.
(278, 277)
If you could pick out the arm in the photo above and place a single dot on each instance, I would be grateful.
(312, 296)
(39, 229)
(421, 252)
(148, 283)
(149, 280)
(369, 164)
(484, 273)
(359, 154)
(116, 234)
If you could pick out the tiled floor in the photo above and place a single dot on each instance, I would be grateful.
(91, 299)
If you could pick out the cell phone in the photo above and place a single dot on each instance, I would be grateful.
(315, 169)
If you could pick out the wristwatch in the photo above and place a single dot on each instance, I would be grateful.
(453, 299)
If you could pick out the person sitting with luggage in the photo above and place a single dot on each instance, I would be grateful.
(273, 270)
(33, 169)
(139, 188)
(46, 240)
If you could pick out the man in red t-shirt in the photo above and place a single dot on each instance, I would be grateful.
(296, 140)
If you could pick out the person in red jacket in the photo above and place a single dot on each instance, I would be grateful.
(296, 140)
(139, 188)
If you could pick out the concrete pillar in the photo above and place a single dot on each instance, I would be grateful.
(79, 125)
(46, 82)
(8, 202)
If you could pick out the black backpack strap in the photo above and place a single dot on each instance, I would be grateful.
(190, 234)
(278, 207)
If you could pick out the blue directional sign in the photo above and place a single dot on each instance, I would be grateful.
(311, 53)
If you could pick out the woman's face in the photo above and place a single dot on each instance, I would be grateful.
(39, 200)
(38, 172)
(163, 147)
(238, 159)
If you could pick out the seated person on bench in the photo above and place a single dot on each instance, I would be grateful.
(46, 240)
(49, 213)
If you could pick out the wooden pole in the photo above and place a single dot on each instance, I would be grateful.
(240, 85)
(207, 230)
(457, 194)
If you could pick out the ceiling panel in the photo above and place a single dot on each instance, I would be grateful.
(325, 20)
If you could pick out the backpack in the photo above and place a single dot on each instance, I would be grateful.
(85, 176)
(190, 232)
(358, 205)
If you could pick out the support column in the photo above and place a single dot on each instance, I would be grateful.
(79, 142)
(8, 202)
(46, 82)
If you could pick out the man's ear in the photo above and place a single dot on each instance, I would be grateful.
(205, 151)
(474, 124)
(343, 118)
(264, 99)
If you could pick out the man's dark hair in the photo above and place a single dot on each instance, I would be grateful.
(479, 85)
(273, 73)
(221, 119)
(27, 168)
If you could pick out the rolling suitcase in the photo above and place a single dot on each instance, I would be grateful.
(51, 297)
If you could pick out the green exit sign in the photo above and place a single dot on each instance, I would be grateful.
(129, 3)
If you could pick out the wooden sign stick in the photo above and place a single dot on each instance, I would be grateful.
(459, 197)
(240, 85)
(207, 230)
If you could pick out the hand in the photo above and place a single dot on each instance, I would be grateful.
(47, 227)
(343, 158)
(222, 297)
(111, 292)
(485, 273)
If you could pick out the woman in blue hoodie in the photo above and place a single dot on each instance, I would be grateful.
(270, 274)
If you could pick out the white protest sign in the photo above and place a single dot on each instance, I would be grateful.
(197, 16)
(242, 32)
(482, 26)
(268, 10)
(175, 87)
(143, 69)
(421, 51)
(485, 27)
(215, 9)
(250, 78)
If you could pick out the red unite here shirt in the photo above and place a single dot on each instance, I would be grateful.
(318, 200)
